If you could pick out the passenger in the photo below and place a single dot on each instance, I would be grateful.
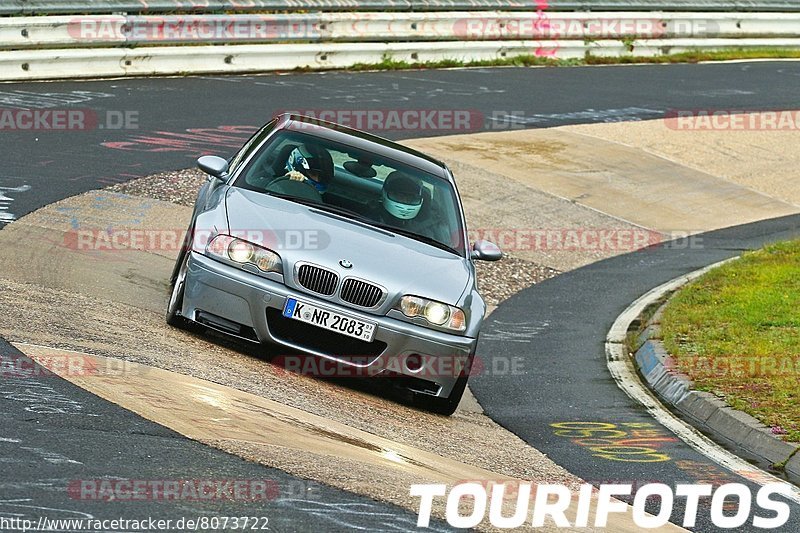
(404, 205)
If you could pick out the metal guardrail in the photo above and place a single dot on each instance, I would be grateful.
(117, 62)
(56, 7)
(247, 58)
(116, 30)
(74, 46)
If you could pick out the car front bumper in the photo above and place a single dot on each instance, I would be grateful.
(250, 306)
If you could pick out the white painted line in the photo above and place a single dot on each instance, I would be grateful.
(621, 367)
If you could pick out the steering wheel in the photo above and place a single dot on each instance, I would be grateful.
(300, 189)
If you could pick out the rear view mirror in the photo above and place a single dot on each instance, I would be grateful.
(486, 251)
(213, 165)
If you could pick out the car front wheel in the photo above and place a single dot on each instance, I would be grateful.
(447, 406)
(178, 284)
(443, 406)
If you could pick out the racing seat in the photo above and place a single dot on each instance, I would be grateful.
(428, 222)
(362, 169)
(424, 215)
(278, 162)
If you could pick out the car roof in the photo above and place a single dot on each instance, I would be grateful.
(364, 141)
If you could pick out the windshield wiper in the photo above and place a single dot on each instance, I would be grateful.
(417, 237)
(283, 196)
(343, 211)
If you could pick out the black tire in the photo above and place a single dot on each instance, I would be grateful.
(444, 406)
(447, 406)
(185, 247)
(177, 287)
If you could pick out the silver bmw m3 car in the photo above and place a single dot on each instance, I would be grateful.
(341, 246)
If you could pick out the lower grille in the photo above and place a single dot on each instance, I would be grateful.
(317, 279)
(321, 340)
(361, 293)
(226, 326)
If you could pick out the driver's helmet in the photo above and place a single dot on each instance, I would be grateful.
(309, 161)
(402, 196)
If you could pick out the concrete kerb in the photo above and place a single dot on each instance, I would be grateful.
(704, 410)
(792, 467)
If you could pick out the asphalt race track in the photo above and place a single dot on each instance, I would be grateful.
(566, 319)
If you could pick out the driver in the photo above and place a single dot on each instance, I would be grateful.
(308, 163)
(402, 204)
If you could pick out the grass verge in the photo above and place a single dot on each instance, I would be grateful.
(736, 333)
(389, 63)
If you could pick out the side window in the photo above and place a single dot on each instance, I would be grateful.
(250, 145)
(270, 163)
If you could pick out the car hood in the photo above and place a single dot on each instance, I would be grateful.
(302, 233)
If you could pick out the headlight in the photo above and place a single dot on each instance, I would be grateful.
(239, 251)
(436, 313)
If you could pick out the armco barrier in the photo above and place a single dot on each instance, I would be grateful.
(104, 62)
(118, 30)
(85, 45)
(53, 7)
(113, 62)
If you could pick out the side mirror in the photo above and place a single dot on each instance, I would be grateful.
(486, 251)
(213, 165)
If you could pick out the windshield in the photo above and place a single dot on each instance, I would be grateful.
(315, 171)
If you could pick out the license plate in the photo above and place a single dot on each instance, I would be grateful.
(330, 320)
